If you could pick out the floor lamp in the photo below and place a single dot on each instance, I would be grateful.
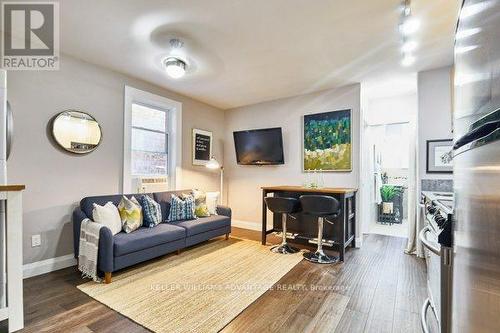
(214, 164)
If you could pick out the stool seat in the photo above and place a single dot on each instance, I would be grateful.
(283, 206)
(320, 205)
(323, 207)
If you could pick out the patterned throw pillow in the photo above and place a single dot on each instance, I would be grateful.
(151, 211)
(130, 213)
(181, 209)
(200, 204)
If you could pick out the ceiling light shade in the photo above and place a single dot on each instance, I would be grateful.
(409, 26)
(408, 60)
(175, 67)
(409, 46)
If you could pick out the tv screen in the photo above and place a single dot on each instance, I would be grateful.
(259, 147)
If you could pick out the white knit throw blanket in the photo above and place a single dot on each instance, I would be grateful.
(89, 246)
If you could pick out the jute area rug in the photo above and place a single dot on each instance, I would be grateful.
(200, 290)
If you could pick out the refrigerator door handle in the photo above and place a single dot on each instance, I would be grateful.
(423, 315)
(427, 243)
(478, 133)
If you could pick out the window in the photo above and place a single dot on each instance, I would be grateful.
(149, 141)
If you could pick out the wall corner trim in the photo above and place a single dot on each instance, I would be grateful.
(48, 265)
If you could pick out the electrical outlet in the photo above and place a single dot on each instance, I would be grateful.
(36, 240)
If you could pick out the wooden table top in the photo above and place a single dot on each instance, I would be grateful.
(12, 188)
(289, 188)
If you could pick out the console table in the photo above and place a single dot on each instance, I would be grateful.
(304, 228)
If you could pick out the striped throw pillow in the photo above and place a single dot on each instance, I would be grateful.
(181, 208)
(151, 211)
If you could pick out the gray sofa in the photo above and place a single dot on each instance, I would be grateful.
(123, 250)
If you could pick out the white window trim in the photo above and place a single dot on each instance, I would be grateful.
(136, 96)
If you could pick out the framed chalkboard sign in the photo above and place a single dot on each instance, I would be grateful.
(202, 146)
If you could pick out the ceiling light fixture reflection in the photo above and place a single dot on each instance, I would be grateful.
(175, 67)
(467, 33)
(408, 60)
(464, 49)
(409, 26)
(409, 46)
(474, 9)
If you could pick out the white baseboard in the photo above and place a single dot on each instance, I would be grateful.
(48, 265)
(359, 242)
(249, 225)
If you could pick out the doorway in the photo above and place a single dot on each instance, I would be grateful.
(388, 158)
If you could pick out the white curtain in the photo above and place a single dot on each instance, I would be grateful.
(414, 216)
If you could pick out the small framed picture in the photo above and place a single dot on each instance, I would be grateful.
(202, 146)
(437, 156)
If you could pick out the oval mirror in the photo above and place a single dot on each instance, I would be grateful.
(76, 132)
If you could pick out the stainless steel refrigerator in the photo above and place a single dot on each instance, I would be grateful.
(476, 269)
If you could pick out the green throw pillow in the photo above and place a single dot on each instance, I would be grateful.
(130, 213)
(200, 204)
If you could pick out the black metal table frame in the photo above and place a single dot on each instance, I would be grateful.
(342, 197)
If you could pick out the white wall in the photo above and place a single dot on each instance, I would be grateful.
(56, 181)
(244, 182)
(393, 109)
(434, 114)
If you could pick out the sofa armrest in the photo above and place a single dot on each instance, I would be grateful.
(224, 210)
(105, 255)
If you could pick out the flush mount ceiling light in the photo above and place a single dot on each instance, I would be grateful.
(175, 67)
(409, 46)
(408, 60)
(408, 25)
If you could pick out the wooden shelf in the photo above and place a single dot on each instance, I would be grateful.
(12, 188)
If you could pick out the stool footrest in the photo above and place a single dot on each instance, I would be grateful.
(325, 242)
(289, 235)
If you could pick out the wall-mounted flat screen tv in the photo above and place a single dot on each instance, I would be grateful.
(259, 147)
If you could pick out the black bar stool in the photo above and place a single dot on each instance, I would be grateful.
(324, 208)
(283, 206)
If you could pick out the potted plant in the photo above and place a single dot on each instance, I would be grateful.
(387, 192)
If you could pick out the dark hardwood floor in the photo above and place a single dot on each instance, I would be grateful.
(383, 289)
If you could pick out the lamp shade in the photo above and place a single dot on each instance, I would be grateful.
(213, 164)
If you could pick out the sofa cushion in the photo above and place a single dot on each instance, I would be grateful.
(204, 224)
(87, 204)
(144, 238)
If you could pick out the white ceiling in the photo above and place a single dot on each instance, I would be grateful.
(247, 51)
